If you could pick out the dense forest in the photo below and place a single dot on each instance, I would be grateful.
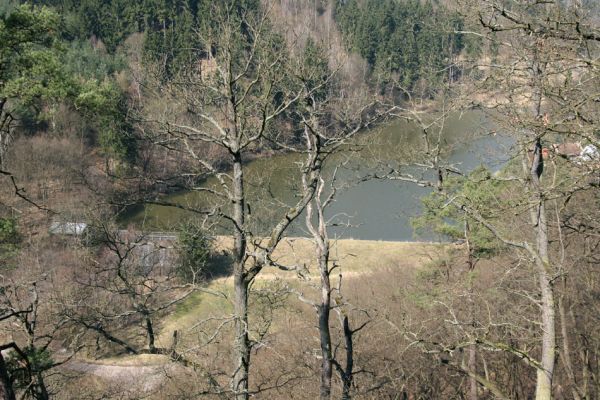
(413, 40)
(173, 177)
(88, 40)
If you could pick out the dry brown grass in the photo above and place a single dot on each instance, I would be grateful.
(292, 342)
(355, 258)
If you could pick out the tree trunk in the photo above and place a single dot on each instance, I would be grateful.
(567, 346)
(5, 121)
(241, 350)
(321, 240)
(324, 330)
(472, 365)
(242, 342)
(6, 390)
(543, 390)
(41, 393)
(348, 375)
(150, 334)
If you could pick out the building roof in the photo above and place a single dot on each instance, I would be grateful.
(567, 149)
(68, 228)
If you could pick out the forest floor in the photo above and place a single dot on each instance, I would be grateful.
(356, 259)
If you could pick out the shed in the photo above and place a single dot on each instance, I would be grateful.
(567, 149)
(68, 228)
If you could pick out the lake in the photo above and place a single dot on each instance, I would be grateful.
(374, 209)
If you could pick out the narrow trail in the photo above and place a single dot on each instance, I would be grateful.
(132, 377)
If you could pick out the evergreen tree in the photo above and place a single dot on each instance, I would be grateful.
(410, 41)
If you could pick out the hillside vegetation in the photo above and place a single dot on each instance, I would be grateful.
(108, 107)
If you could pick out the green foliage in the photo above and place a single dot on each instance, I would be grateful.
(48, 57)
(101, 100)
(82, 60)
(31, 69)
(405, 40)
(41, 76)
(8, 231)
(8, 6)
(424, 300)
(106, 105)
(440, 215)
(39, 72)
(316, 69)
(9, 241)
(171, 26)
(39, 359)
(313, 68)
(97, 96)
(473, 45)
(173, 41)
(195, 248)
(111, 21)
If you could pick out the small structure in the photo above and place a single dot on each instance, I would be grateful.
(567, 150)
(68, 228)
(576, 152)
(589, 153)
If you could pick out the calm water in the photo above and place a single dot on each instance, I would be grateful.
(373, 209)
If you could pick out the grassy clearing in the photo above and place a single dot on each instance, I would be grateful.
(198, 306)
(355, 258)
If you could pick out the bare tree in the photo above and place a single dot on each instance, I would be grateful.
(330, 122)
(132, 281)
(231, 101)
(545, 78)
(36, 328)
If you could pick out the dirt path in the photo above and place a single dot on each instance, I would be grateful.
(133, 377)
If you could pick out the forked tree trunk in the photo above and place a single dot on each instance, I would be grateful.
(322, 249)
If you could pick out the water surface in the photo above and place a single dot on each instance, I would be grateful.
(374, 209)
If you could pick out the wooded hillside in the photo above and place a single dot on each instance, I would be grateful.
(171, 174)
